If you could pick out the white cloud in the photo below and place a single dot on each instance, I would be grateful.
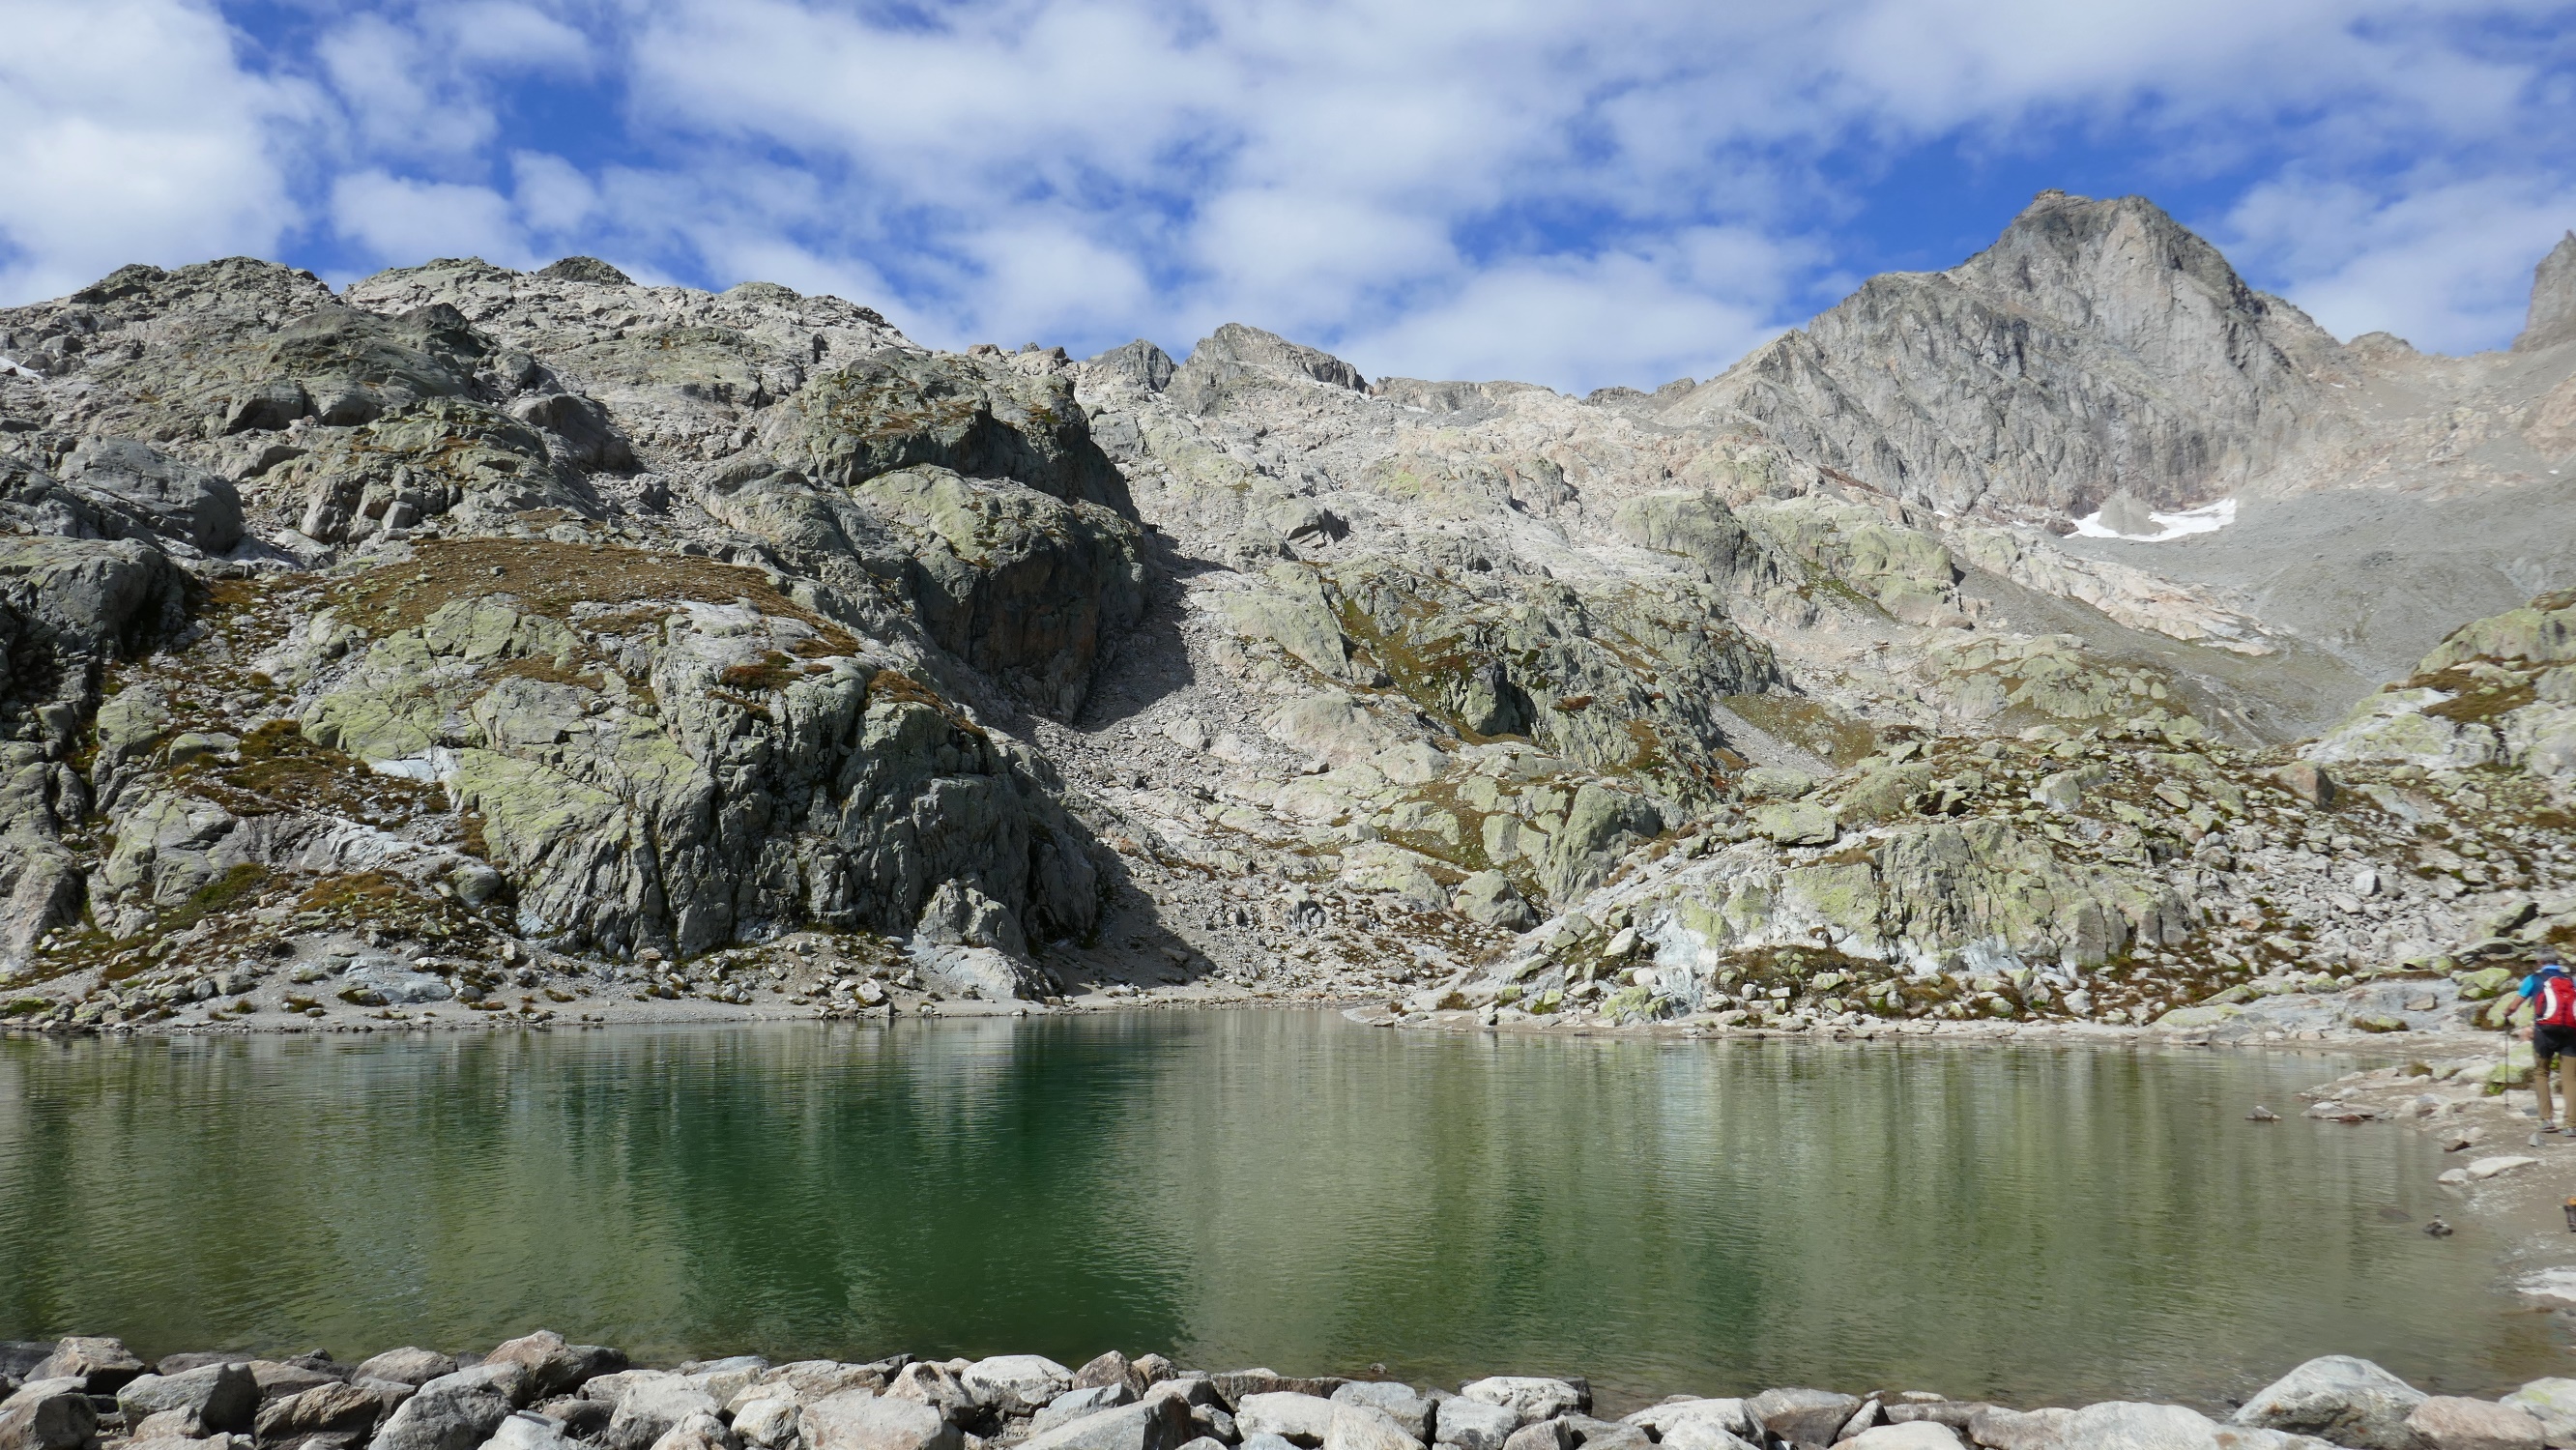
(388, 78)
(1513, 186)
(2445, 264)
(507, 36)
(403, 221)
(129, 133)
(552, 194)
(1636, 318)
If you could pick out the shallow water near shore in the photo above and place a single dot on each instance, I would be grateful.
(2034, 1224)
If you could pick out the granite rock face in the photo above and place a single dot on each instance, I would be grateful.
(2553, 300)
(2097, 346)
(510, 641)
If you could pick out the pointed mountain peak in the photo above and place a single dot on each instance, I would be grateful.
(2063, 241)
(2553, 299)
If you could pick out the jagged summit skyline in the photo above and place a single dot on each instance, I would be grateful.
(1462, 197)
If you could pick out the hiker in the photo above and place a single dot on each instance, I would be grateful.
(2552, 1035)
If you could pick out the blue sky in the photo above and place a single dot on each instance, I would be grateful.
(1618, 192)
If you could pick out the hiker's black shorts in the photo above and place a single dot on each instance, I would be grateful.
(2548, 1042)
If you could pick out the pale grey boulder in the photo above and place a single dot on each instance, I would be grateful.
(722, 1379)
(351, 1408)
(648, 1408)
(1553, 1434)
(57, 1416)
(280, 1378)
(1299, 1418)
(857, 1420)
(407, 1366)
(1153, 1423)
(1488, 898)
(1016, 1384)
(2553, 1402)
(1401, 1402)
(1474, 1424)
(1075, 1404)
(216, 1396)
(1802, 1416)
(769, 1422)
(140, 492)
(1356, 1426)
(506, 1378)
(938, 1386)
(29, 1391)
(1531, 1397)
(2000, 1428)
(1726, 1416)
(581, 1419)
(806, 1380)
(1107, 1368)
(2339, 1398)
(449, 1413)
(2452, 1422)
(555, 1367)
(698, 1430)
(102, 1365)
(526, 1430)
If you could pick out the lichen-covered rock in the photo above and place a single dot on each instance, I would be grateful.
(1487, 897)
(442, 457)
(895, 411)
(1623, 681)
(2394, 726)
(1904, 571)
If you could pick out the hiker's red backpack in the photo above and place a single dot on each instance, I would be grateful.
(2554, 1005)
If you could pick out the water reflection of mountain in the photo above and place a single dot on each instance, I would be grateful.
(2031, 1224)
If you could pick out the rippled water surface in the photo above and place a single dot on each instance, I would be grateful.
(2033, 1224)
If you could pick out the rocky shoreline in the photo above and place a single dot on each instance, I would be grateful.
(370, 984)
(539, 1392)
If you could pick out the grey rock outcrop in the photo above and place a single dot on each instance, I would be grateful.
(857, 1420)
(407, 1366)
(2096, 346)
(2340, 1399)
(1802, 1416)
(640, 645)
(215, 1396)
(449, 1413)
(60, 1418)
(2552, 319)
(1154, 1423)
(1235, 358)
(102, 1365)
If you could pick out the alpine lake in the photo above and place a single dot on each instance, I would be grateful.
(2033, 1224)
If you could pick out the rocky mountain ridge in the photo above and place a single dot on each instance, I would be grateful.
(468, 630)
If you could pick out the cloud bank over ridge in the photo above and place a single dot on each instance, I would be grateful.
(1623, 192)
